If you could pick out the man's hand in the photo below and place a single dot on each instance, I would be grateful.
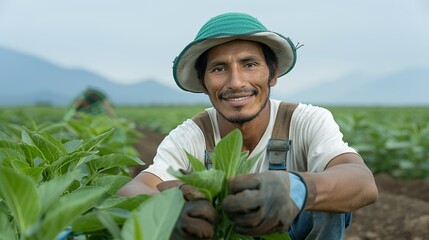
(198, 217)
(267, 202)
(196, 221)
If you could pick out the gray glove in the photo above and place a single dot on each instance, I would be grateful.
(198, 217)
(267, 202)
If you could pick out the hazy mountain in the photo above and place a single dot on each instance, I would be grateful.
(408, 87)
(27, 79)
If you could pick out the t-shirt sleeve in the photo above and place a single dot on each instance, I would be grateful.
(171, 152)
(319, 137)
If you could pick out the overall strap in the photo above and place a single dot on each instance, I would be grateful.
(204, 123)
(282, 124)
(279, 144)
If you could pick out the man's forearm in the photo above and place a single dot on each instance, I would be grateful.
(143, 183)
(135, 188)
(344, 187)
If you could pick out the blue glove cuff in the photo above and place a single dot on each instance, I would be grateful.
(298, 190)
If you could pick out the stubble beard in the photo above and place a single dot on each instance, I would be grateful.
(241, 120)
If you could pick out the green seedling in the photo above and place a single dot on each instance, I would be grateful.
(228, 161)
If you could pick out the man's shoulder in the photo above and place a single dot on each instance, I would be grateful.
(310, 114)
(305, 108)
(189, 126)
(299, 107)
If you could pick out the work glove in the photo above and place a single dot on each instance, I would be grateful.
(198, 217)
(267, 202)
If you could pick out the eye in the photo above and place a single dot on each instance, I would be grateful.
(250, 64)
(218, 69)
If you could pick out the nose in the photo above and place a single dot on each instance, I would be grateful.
(236, 80)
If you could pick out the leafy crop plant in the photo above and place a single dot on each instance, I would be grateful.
(228, 161)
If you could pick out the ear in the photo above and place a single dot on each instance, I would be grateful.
(273, 81)
(204, 86)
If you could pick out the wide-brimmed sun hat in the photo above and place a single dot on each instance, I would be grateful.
(224, 28)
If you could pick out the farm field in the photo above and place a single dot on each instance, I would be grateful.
(394, 142)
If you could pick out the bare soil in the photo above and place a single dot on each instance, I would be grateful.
(401, 211)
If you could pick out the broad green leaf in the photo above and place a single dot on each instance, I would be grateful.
(34, 172)
(118, 207)
(18, 164)
(110, 223)
(10, 162)
(136, 230)
(246, 164)
(69, 161)
(51, 148)
(7, 156)
(72, 145)
(6, 228)
(226, 155)
(208, 182)
(26, 138)
(112, 182)
(112, 161)
(67, 209)
(101, 123)
(197, 166)
(19, 193)
(90, 222)
(89, 144)
(51, 191)
(33, 155)
(12, 150)
(155, 218)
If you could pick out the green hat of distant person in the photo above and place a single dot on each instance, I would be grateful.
(224, 28)
(91, 101)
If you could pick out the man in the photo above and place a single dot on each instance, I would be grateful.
(235, 60)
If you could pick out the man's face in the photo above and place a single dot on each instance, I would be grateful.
(236, 79)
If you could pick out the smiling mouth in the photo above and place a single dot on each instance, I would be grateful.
(236, 99)
(235, 96)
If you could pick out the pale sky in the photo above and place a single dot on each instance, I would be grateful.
(131, 40)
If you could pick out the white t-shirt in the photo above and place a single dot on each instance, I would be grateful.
(316, 139)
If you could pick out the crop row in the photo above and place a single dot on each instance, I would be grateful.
(393, 140)
(58, 180)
